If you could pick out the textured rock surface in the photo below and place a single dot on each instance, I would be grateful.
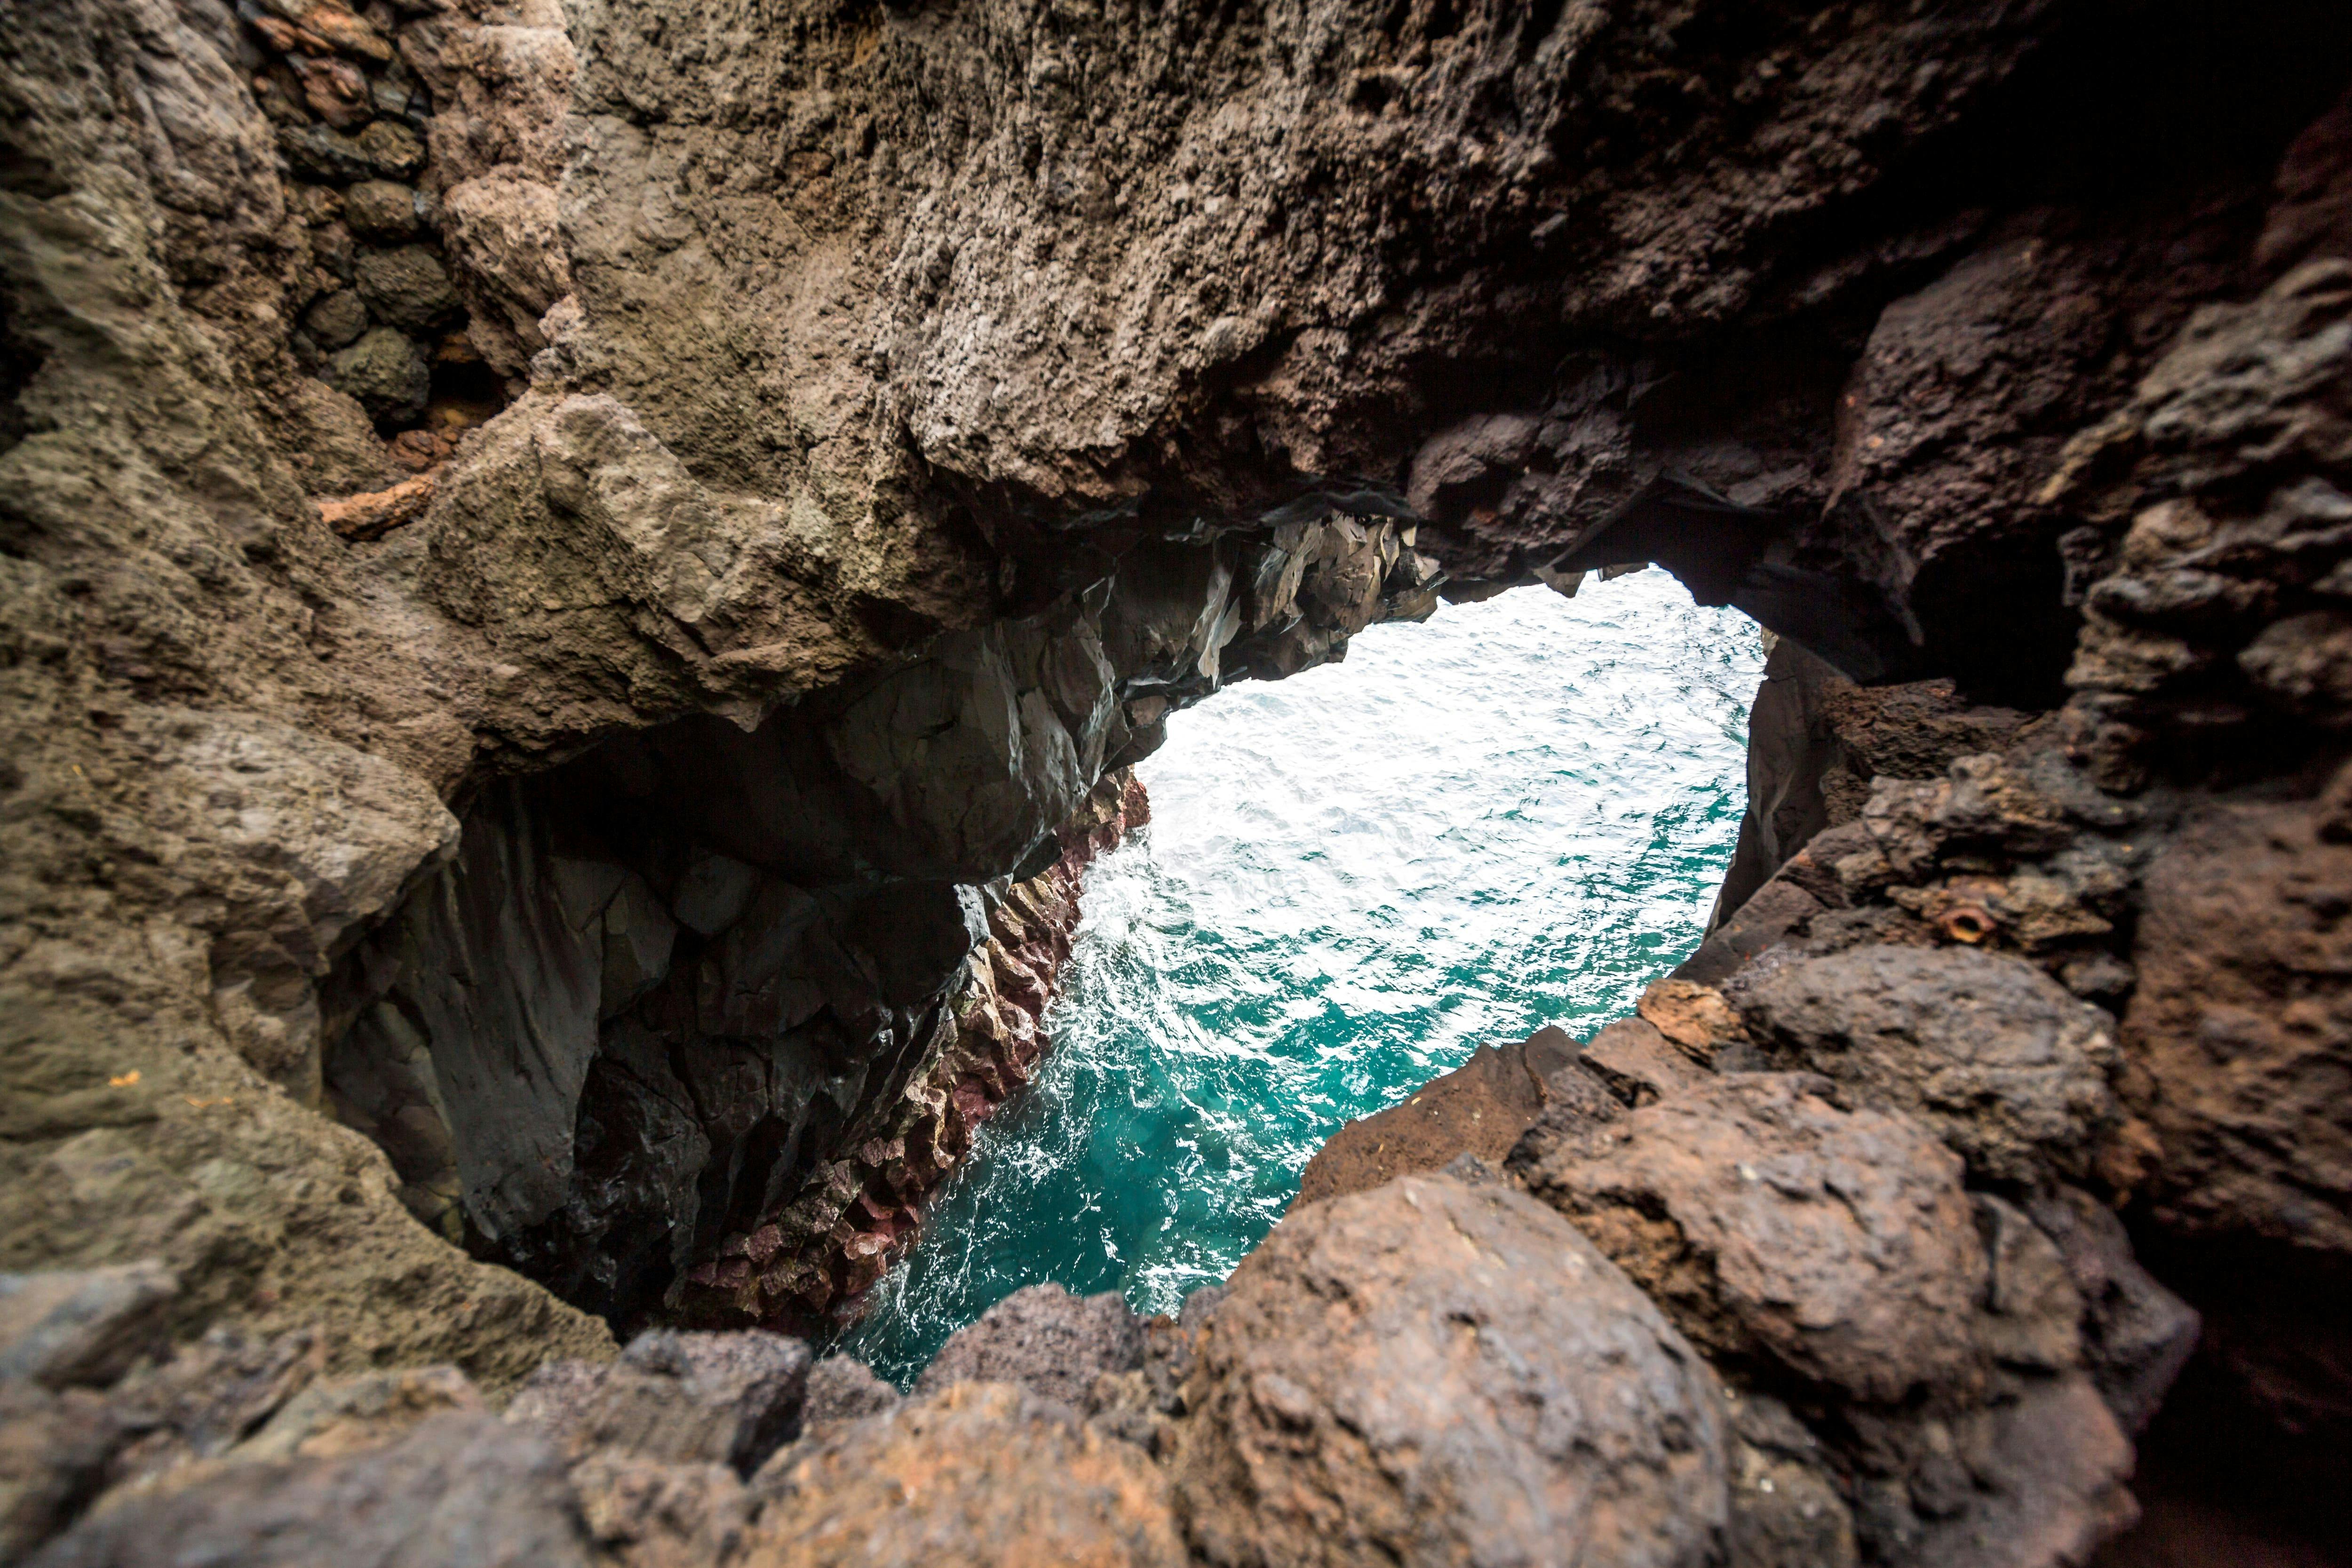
(1431, 1372)
(983, 1472)
(1994, 1056)
(1770, 1224)
(1044, 1340)
(1478, 1108)
(461, 1489)
(846, 434)
(686, 1398)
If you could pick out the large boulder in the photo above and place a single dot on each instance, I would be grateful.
(983, 1474)
(1045, 1339)
(1992, 1053)
(1770, 1225)
(462, 1491)
(1431, 1372)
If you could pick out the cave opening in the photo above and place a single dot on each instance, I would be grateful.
(1510, 819)
(691, 1026)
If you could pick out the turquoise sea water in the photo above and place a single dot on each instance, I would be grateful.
(1514, 815)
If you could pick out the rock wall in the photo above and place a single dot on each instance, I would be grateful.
(893, 413)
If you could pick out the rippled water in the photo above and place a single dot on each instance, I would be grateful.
(1514, 815)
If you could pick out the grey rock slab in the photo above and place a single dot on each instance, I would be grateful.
(84, 1326)
(462, 1491)
(678, 1396)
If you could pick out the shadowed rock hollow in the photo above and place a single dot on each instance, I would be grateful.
(579, 580)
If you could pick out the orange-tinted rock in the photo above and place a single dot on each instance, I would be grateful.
(983, 1474)
(1434, 1373)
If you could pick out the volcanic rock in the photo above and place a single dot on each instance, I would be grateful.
(405, 287)
(462, 1491)
(1044, 1340)
(1479, 1109)
(985, 1472)
(1431, 1372)
(380, 211)
(337, 319)
(694, 1398)
(1992, 1055)
(1767, 1223)
(385, 373)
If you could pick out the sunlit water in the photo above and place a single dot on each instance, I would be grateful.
(1514, 815)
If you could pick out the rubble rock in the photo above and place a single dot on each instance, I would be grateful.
(1989, 1052)
(679, 1398)
(385, 373)
(1429, 1372)
(63, 1328)
(380, 211)
(2137, 1334)
(509, 262)
(354, 1415)
(2241, 1027)
(405, 287)
(1633, 1057)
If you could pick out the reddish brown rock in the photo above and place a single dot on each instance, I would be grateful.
(2241, 1032)
(1044, 1340)
(1695, 1018)
(1480, 1108)
(1770, 1224)
(1431, 1372)
(1989, 1052)
(983, 1474)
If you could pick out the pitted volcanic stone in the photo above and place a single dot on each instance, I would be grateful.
(385, 372)
(2007, 1068)
(1430, 1373)
(1044, 1339)
(405, 285)
(984, 1475)
(462, 1491)
(1768, 1222)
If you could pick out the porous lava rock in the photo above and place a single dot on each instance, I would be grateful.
(1044, 1340)
(2241, 1028)
(1986, 1050)
(1479, 1109)
(1770, 1224)
(459, 1491)
(985, 1473)
(1434, 1373)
